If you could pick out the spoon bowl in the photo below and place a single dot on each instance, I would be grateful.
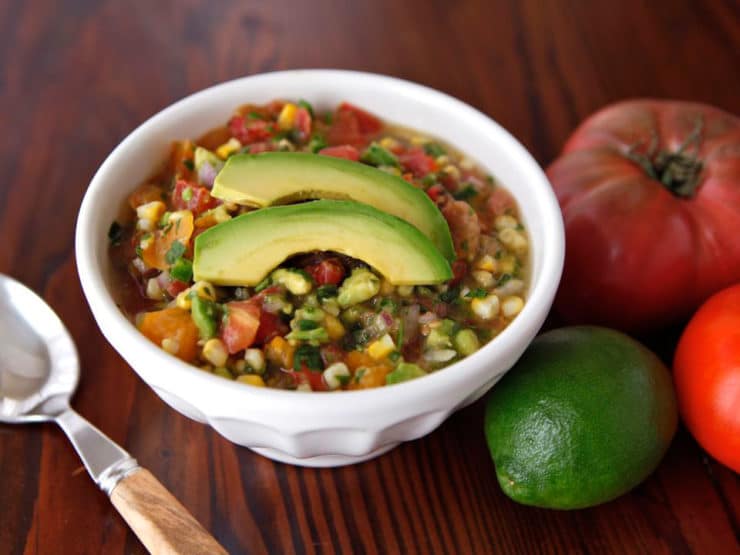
(39, 371)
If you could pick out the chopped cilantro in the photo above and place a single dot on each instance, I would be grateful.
(306, 325)
(182, 270)
(503, 279)
(435, 150)
(389, 305)
(176, 251)
(329, 118)
(477, 293)
(189, 164)
(359, 374)
(115, 233)
(254, 115)
(316, 143)
(519, 227)
(326, 291)
(465, 193)
(308, 356)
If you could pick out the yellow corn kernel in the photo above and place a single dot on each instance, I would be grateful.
(452, 171)
(204, 290)
(386, 287)
(487, 263)
(183, 300)
(229, 147)
(389, 143)
(251, 379)
(505, 221)
(280, 352)
(419, 140)
(484, 279)
(507, 264)
(382, 347)
(151, 211)
(214, 351)
(171, 345)
(485, 308)
(511, 306)
(334, 327)
(513, 240)
(286, 119)
(405, 290)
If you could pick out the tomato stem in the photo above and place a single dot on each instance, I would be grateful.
(678, 171)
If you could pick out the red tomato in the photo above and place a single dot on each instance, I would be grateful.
(348, 152)
(173, 286)
(329, 271)
(303, 123)
(240, 325)
(314, 379)
(270, 326)
(352, 126)
(650, 194)
(250, 130)
(417, 161)
(435, 191)
(199, 199)
(706, 371)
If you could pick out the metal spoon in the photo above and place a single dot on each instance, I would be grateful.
(39, 371)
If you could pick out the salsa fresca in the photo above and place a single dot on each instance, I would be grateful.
(319, 319)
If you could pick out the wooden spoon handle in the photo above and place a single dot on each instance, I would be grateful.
(158, 519)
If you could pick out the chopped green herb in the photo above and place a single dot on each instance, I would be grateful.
(316, 143)
(139, 251)
(503, 279)
(466, 192)
(264, 284)
(434, 149)
(376, 155)
(359, 374)
(305, 104)
(519, 227)
(477, 293)
(182, 270)
(254, 115)
(343, 378)
(176, 251)
(308, 356)
(326, 291)
(394, 356)
(115, 233)
(489, 178)
(389, 305)
(189, 164)
(329, 118)
(187, 194)
(305, 325)
(499, 254)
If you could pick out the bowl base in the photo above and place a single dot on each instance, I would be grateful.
(321, 461)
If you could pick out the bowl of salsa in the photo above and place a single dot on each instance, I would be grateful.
(319, 272)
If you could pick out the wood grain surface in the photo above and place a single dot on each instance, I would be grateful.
(79, 75)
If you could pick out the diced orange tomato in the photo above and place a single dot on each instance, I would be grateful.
(280, 352)
(144, 194)
(371, 376)
(240, 325)
(181, 159)
(178, 230)
(174, 324)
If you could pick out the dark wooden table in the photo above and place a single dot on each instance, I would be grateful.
(77, 76)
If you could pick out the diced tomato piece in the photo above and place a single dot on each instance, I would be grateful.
(459, 269)
(314, 378)
(249, 131)
(435, 191)
(145, 194)
(367, 123)
(155, 254)
(303, 123)
(270, 326)
(345, 130)
(173, 286)
(417, 161)
(331, 354)
(240, 325)
(329, 271)
(348, 152)
(264, 146)
(198, 199)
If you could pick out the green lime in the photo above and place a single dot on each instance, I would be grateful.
(584, 416)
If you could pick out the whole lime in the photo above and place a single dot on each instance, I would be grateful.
(584, 416)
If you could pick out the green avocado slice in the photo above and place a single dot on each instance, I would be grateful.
(242, 251)
(284, 177)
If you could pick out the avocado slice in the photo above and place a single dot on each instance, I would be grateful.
(243, 250)
(284, 177)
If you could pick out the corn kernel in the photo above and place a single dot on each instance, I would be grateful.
(183, 300)
(251, 379)
(286, 119)
(204, 290)
(507, 264)
(334, 327)
(214, 351)
(171, 345)
(280, 352)
(514, 240)
(485, 308)
(405, 290)
(452, 171)
(335, 374)
(484, 279)
(419, 140)
(487, 263)
(467, 164)
(255, 358)
(511, 306)
(511, 287)
(240, 366)
(504, 221)
(382, 347)
(442, 160)
(303, 387)
(229, 147)
(151, 211)
(389, 143)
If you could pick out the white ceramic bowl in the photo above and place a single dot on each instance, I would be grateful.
(335, 428)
